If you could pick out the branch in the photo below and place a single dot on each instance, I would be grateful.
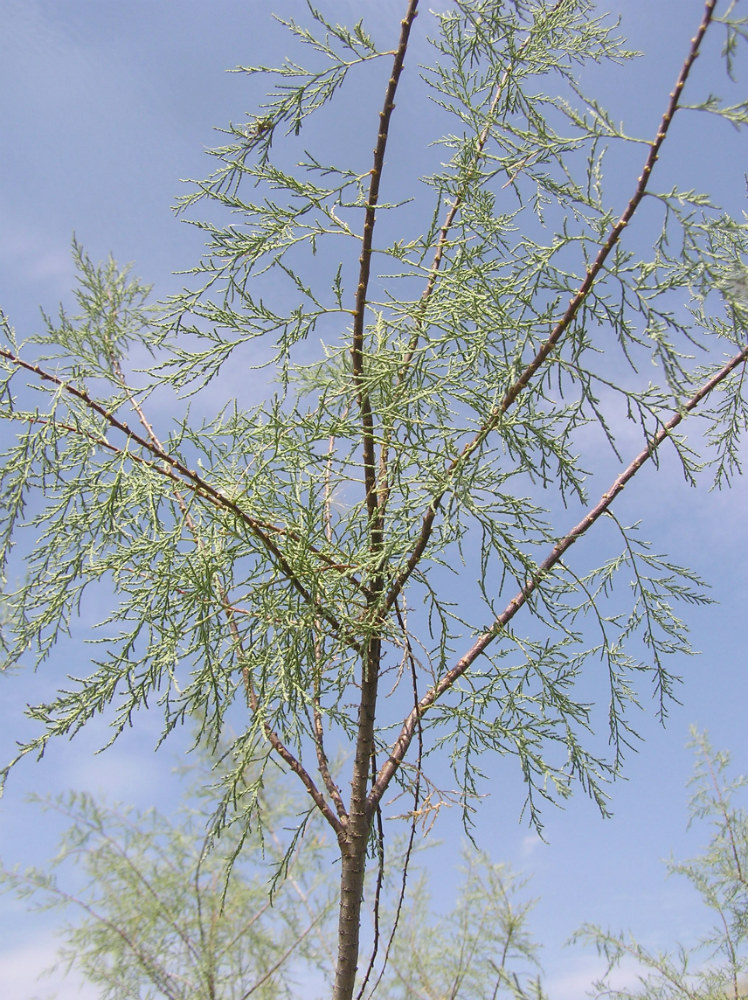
(159, 976)
(403, 741)
(272, 737)
(441, 243)
(319, 742)
(187, 478)
(182, 478)
(82, 816)
(284, 957)
(563, 324)
(359, 315)
(359, 818)
(405, 866)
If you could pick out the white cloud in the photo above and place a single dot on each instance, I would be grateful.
(530, 844)
(584, 971)
(21, 975)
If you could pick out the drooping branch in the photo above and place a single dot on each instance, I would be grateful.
(592, 273)
(323, 762)
(401, 745)
(338, 823)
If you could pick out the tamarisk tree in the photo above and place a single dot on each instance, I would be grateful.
(368, 550)
(154, 916)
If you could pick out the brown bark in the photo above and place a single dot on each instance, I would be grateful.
(354, 837)
(354, 840)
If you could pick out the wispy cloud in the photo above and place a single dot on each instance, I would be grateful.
(529, 845)
(584, 970)
(22, 974)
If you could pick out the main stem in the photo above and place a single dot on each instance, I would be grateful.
(356, 835)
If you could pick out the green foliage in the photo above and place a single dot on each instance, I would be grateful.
(152, 915)
(483, 948)
(436, 371)
(153, 920)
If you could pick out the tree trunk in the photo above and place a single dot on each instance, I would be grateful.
(353, 844)
(349, 919)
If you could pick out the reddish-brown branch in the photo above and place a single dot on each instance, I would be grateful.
(359, 313)
(319, 742)
(427, 522)
(371, 655)
(186, 478)
(403, 741)
(338, 824)
(418, 768)
(324, 768)
(594, 269)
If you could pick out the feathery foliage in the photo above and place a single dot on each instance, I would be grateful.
(435, 370)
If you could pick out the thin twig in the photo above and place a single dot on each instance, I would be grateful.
(378, 887)
(272, 737)
(416, 802)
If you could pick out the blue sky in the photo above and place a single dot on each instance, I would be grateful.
(104, 106)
